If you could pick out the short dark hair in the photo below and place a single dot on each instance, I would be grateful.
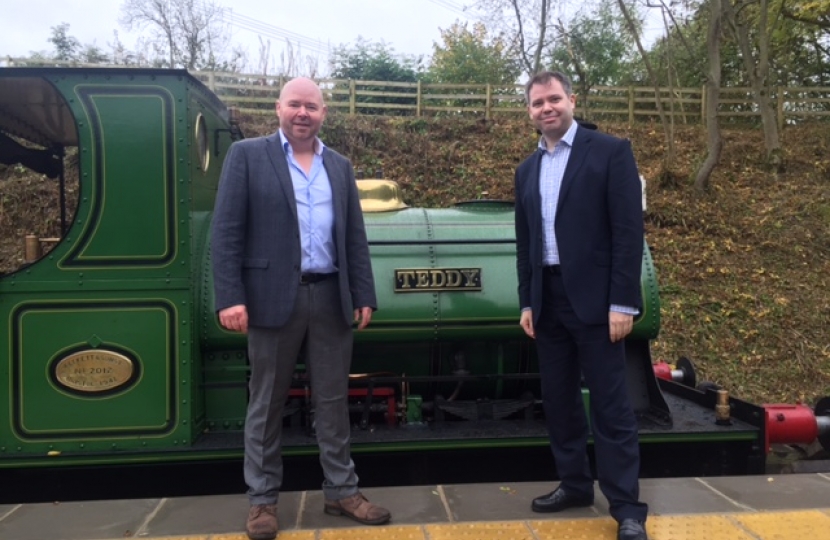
(544, 77)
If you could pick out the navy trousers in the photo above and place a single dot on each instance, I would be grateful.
(569, 350)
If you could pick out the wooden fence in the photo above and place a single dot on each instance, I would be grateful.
(256, 94)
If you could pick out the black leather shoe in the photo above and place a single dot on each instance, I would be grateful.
(631, 529)
(558, 500)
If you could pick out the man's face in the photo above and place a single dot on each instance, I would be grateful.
(551, 109)
(301, 110)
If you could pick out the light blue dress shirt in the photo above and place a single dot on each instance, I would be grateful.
(551, 172)
(315, 211)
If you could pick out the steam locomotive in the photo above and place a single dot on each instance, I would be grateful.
(112, 352)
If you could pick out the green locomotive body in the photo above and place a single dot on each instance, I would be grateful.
(112, 352)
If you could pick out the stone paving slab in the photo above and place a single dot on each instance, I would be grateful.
(683, 496)
(95, 520)
(780, 507)
(781, 492)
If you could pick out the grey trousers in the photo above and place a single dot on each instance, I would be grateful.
(272, 354)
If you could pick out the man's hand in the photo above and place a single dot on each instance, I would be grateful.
(526, 322)
(620, 325)
(234, 318)
(363, 316)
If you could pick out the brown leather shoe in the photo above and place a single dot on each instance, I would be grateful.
(262, 522)
(359, 509)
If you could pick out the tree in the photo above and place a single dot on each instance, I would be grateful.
(593, 48)
(815, 12)
(753, 29)
(714, 139)
(468, 56)
(67, 47)
(633, 27)
(368, 61)
(526, 24)
(189, 33)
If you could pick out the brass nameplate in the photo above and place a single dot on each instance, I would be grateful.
(437, 279)
(94, 370)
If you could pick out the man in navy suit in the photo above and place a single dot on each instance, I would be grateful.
(579, 245)
(291, 269)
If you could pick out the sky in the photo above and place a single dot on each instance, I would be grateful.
(408, 26)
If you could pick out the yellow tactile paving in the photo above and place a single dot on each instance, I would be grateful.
(575, 529)
(782, 525)
(503, 530)
(282, 535)
(687, 527)
(403, 532)
(197, 537)
(804, 525)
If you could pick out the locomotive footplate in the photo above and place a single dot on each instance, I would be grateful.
(694, 420)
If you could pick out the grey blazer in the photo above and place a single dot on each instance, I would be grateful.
(255, 236)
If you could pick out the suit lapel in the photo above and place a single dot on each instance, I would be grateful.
(337, 182)
(579, 151)
(280, 164)
(533, 185)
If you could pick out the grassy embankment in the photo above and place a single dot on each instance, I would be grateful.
(744, 269)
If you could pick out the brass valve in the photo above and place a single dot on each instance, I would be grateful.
(723, 409)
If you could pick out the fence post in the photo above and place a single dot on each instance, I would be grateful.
(779, 93)
(212, 81)
(488, 104)
(352, 93)
(630, 105)
(418, 100)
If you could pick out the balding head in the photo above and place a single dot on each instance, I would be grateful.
(301, 111)
(301, 84)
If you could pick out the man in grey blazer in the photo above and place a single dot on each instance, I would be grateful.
(291, 269)
(579, 247)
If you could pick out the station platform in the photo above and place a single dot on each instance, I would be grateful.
(779, 507)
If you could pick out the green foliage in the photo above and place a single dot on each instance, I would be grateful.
(66, 47)
(368, 61)
(595, 50)
(798, 51)
(800, 54)
(69, 49)
(468, 55)
(816, 12)
(92, 54)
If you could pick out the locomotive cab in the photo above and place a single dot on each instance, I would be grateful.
(102, 326)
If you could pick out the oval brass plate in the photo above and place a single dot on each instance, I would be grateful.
(94, 370)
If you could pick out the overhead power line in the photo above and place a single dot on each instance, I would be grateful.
(269, 30)
(455, 7)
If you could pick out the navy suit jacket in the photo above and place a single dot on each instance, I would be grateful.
(598, 225)
(255, 235)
